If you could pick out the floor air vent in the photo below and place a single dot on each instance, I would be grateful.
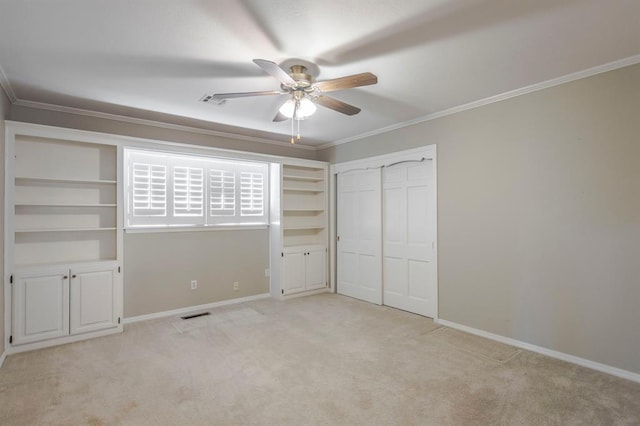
(196, 315)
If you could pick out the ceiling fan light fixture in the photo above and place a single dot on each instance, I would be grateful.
(306, 108)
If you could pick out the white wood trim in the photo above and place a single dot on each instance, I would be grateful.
(154, 123)
(53, 132)
(436, 249)
(333, 230)
(9, 235)
(119, 275)
(3, 356)
(632, 60)
(305, 293)
(6, 86)
(604, 368)
(427, 151)
(62, 340)
(190, 309)
(152, 229)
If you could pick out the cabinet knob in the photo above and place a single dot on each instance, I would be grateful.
(65, 277)
(73, 276)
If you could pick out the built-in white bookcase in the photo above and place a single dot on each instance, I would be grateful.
(65, 201)
(299, 259)
(63, 235)
(304, 205)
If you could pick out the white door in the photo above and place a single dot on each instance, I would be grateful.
(92, 300)
(409, 238)
(359, 240)
(294, 271)
(40, 305)
(316, 269)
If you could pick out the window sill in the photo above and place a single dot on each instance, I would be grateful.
(152, 229)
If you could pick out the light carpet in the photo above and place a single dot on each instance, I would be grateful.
(324, 359)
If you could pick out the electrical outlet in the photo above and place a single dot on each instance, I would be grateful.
(236, 286)
(267, 272)
(194, 284)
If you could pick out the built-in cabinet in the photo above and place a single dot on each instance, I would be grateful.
(299, 228)
(63, 234)
(304, 268)
(51, 302)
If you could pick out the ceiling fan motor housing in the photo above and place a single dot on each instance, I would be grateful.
(299, 74)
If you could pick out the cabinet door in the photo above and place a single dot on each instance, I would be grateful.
(294, 272)
(316, 269)
(92, 299)
(40, 305)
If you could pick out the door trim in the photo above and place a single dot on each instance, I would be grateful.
(426, 152)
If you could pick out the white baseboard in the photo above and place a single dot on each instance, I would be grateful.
(25, 347)
(194, 308)
(304, 293)
(2, 358)
(614, 371)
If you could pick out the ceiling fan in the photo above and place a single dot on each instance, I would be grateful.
(304, 91)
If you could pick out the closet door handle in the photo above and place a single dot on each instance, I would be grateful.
(65, 277)
(73, 276)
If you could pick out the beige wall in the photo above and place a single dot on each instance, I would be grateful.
(539, 215)
(159, 267)
(4, 114)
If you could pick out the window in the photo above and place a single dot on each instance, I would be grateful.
(166, 189)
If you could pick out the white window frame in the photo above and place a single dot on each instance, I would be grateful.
(178, 162)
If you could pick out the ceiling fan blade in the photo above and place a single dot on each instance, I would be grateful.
(356, 80)
(280, 117)
(221, 96)
(275, 71)
(336, 105)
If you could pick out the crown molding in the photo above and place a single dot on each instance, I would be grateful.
(632, 60)
(6, 86)
(146, 122)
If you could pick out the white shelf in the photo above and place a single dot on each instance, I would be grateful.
(302, 178)
(302, 227)
(292, 189)
(74, 263)
(35, 230)
(25, 179)
(63, 205)
(302, 210)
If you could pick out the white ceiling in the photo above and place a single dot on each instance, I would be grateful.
(155, 59)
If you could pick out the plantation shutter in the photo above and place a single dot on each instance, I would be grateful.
(149, 190)
(147, 196)
(169, 190)
(188, 191)
(251, 194)
(222, 193)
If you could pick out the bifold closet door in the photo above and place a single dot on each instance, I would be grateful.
(409, 237)
(359, 241)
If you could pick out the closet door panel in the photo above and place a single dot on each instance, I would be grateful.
(360, 235)
(409, 279)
